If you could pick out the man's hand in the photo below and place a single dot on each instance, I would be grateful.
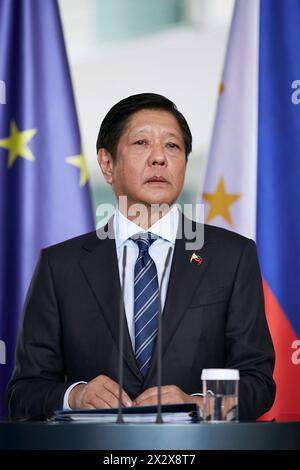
(101, 392)
(169, 394)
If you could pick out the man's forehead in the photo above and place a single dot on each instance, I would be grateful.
(146, 119)
(149, 129)
(159, 114)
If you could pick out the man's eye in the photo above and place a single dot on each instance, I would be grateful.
(140, 142)
(172, 145)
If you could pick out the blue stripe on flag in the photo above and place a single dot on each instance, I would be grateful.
(278, 189)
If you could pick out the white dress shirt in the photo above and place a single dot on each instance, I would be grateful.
(166, 229)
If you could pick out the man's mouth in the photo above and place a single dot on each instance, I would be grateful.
(157, 179)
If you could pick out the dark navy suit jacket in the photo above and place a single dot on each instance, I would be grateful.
(213, 317)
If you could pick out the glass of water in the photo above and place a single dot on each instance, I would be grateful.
(221, 395)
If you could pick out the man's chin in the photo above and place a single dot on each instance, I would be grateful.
(157, 197)
(156, 202)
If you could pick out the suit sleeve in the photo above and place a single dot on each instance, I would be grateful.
(38, 383)
(248, 341)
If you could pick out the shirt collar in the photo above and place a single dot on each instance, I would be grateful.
(165, 228)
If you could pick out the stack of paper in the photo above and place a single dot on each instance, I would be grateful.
(177, 413)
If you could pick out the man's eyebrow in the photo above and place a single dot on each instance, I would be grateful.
(171, 134)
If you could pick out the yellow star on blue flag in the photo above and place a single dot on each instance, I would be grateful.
(16, 144)
(79, 162)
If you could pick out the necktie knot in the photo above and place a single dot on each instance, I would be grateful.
(144, 241)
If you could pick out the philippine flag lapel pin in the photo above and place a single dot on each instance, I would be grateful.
(196, 259)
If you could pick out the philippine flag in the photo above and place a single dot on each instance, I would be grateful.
(252, 183)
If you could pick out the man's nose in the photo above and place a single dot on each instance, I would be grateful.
(157, 156)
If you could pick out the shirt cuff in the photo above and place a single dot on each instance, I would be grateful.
(66, 405)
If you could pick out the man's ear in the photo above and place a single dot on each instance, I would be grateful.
(106, 164)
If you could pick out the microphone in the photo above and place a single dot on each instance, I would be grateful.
(159, 418)
(120, 419)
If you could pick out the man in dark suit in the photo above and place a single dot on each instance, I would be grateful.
(212, 298)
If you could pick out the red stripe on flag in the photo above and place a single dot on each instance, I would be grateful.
(287, 366)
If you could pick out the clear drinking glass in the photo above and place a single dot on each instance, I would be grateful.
(221, 395)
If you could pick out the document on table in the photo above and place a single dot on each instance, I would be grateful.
(176, 413)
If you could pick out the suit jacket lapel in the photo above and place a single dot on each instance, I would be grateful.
(100, 267)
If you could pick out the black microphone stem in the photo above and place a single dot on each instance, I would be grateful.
(120, 419)
(159, 418)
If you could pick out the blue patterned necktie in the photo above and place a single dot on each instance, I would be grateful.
(146, 298)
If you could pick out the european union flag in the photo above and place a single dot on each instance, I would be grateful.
(44, 192)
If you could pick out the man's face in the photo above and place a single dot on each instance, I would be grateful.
(149, 165)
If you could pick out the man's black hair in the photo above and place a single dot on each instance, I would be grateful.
(115, 121)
